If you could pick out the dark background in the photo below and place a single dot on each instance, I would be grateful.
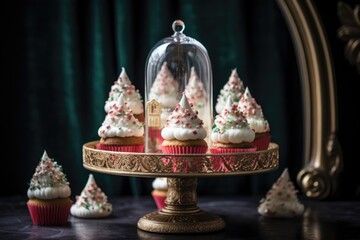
(60, 59)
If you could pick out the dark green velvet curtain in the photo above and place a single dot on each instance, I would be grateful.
(65, 55)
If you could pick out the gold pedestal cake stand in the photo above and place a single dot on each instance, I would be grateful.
(181, 214)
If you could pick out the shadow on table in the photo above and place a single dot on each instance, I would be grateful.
(308, 226)
(143, 235)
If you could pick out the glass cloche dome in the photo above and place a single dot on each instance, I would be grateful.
(177, 64)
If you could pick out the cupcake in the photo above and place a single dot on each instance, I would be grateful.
(183, 132)
(159, 191)
(196, 94)
(92, 202)
(165, 90)
(130, 95)
(233, 88)
(281, 200)
(121, 131)
(231, 132)
(49, 194)
(255, 117)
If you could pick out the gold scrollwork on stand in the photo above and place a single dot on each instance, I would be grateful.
(144, 164)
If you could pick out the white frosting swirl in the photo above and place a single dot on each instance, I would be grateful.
(160, 183)
(165, 88)
(253, 113)
(92, 202)
(233, 88)
(231, 126)
(281, 200)
(50, 192)
(183, 124)
(131, 95)
(120, 122)
(48, 181)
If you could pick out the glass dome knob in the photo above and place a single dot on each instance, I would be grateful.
(178, 26)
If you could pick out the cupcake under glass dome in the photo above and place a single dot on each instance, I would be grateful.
(177, 64)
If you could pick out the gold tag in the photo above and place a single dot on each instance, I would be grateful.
(153, 111)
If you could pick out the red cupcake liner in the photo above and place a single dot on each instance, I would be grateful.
(232, 150)
(159, 200)
(219, 164)
(49, 215)
(262, 143)
(154, 132)
(184, 149)
(121, 148)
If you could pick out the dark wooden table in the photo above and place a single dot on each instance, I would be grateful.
(322, 220)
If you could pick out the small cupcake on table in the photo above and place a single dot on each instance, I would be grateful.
(121, 131)
(281, 200)
(255, 117)
(159, 191)
(92, 202)
(49, 194)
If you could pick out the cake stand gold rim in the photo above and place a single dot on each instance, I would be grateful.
(184, 165)
(182, 175)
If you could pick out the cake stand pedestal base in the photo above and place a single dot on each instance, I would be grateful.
(181, 214)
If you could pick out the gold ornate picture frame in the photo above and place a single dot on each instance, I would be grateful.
(322, 154)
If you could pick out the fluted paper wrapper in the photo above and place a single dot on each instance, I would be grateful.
(262, 143)
(49, 214)
(118, 148)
